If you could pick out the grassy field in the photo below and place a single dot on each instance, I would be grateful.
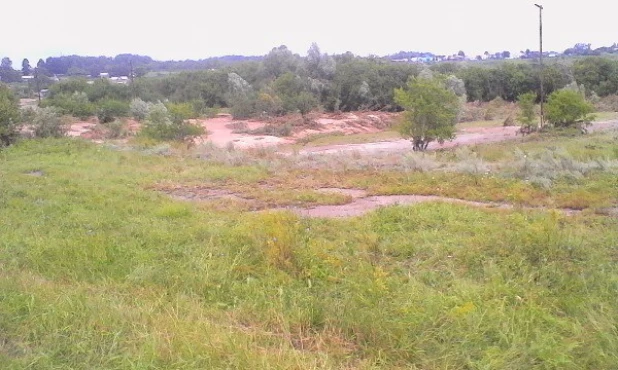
(101, 270)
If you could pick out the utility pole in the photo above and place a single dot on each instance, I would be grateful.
(541, 61)
(36, 80)
(132, 80)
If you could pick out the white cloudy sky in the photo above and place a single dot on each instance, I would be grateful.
(192, 29)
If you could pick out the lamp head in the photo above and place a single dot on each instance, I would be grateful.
(539, 6)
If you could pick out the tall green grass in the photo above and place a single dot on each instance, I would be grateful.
(99, 271)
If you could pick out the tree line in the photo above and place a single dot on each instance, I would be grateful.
(282, 82)
(120, 65)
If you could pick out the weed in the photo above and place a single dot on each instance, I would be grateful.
(546, 167)
(100, 271)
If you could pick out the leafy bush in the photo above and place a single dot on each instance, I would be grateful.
(75, 104)
(139, 109)
(160, 125)
(273, 130)
(526, 116)
(181, 111)
(9, 115)
(109, 110)
(243, 107)
(566, 108)
(268, 102)
(27, 114)
(47, 122)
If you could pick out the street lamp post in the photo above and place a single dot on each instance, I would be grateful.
(541, 60)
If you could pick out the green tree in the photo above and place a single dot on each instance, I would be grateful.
(26, 69)
(526, 116)
(431, 111)
(9, 115)
(305, 103)
(313, 60)
(279, 61)
(7, 73)
(288, 87)
(597, 74)
(567, 108)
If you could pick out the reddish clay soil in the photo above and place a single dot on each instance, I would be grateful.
(81, 129)
(221, 133)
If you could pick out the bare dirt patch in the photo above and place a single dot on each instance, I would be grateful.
(346, 123)
(223, 129)
(82, 129)
(219, 131)
(91, 129)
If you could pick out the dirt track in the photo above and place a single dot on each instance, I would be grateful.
(470, 136)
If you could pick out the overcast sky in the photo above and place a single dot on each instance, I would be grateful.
(191, 29)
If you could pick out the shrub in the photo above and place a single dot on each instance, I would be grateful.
(470, 163)
(243, 107)
(210, 112)
(419, 162)
(76, 104)
(274, 130)
(160, 125)
(526, 115)
(238, 127)
(109, 110)
(509, 121)
(47, 122)
(139, 109)
(567, 107)
(544, 168)
(268, 102)
(180, 112)
(9, 115)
